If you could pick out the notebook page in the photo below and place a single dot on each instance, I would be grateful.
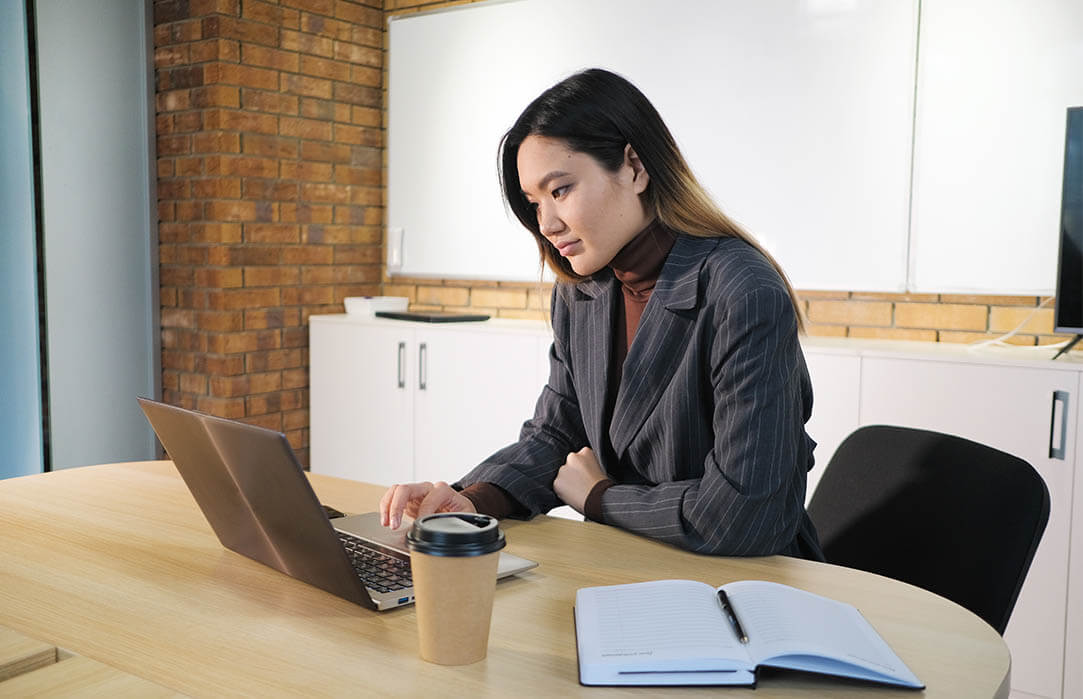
(785, 621)
(659, 625)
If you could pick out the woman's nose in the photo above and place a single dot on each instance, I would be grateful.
(548, 222)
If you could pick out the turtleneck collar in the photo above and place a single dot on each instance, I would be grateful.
(639, 263)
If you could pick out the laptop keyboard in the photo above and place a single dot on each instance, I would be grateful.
(377, 570)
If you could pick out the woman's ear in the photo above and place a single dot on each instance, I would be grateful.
(640, 178)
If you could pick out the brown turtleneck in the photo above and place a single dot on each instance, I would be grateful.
(636, 267)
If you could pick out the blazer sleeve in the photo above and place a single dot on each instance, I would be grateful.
(750, 499)
(526, 469)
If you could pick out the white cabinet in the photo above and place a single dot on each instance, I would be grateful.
(836, 385)
(1007, 407)
(395, 401)
(1073, 633)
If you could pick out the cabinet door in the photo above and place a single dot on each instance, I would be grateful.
(1073, 637)
(1008, 408)
(361, 401)
(836, 382)
(473, 391)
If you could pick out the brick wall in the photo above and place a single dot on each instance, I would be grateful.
(270, 143)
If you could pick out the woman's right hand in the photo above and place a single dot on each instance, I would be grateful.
(420, 499)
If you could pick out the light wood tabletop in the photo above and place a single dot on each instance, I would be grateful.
(116, 564)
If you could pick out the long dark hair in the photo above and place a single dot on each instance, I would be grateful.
(598, 113)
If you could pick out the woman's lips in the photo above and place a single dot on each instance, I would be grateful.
(568, 247)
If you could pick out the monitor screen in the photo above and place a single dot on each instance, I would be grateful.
(1069, 303)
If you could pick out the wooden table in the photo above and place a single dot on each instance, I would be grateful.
(116, 564)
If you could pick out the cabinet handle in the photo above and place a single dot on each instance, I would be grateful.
(1059, 452)
(402, 365)
(422, 364)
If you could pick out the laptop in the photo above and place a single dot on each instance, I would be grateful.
(256, 497)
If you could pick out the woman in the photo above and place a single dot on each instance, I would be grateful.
(678, 393)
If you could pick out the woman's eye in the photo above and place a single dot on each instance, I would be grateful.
(561, 191)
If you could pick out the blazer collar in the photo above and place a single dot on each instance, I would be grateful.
(663, 333)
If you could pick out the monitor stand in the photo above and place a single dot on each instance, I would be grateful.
(1068, 346)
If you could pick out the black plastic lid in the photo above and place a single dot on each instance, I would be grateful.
(456, 534)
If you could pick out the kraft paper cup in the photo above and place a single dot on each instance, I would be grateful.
(453, 560)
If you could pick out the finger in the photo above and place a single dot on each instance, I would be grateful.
(437, 499)
(385, 505)
(404, 494)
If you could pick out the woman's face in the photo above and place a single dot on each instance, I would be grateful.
(585, 211)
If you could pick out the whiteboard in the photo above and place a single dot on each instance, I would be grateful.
(994, 81)
(795, 114)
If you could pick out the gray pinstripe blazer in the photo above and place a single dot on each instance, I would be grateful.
(707, 430)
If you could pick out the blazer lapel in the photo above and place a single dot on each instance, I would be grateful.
(592, 350)
(663, 333)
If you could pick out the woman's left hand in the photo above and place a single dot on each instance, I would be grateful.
(577, 477)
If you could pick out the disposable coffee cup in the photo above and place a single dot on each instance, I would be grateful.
(453, 557)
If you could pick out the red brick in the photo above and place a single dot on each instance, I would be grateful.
(266, 318)
(221, 407)
(189, 166)
(317, 109)
(345, 51)
(263, 101)
(273, 360)
(230, 28)
(239, 211)
(187, 121)
(220, 365)
(332, 152)
(337, 193)
(216, 96)
(177, 144)
(193, 383)
(305, 128)
(270, 233)
(307, 171)
(227, 299)
(242, 75)
(309, 254)
(217, 188)
(221, 321)
(231, 120)
(366, 196)
(308, 86)
(365, 75)
(295, 378)
(221, 7)
(324, 68)
(367, 116)
(188, 210)
(244, 341)
(242, 165)
(271, 146)
(215, 50)
(307, 213)
(262, 56)
(307, 43)
(368, 36)
(169, 56)
(218, 277)
(274, 190)
(216, 142)
(322, 7)
(358, 255)
(354, 13)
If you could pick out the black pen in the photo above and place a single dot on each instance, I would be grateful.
(732, 614)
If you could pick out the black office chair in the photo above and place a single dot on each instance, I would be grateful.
(944, 513)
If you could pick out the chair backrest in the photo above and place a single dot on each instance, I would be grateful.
(955, 517)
